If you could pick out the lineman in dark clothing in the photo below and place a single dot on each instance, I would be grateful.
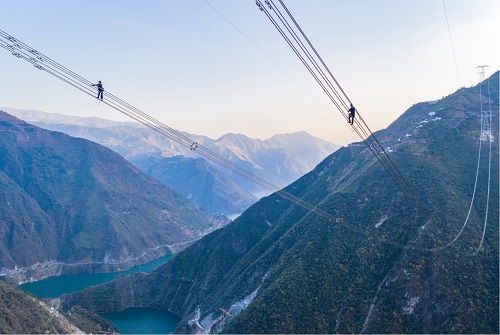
(100, 90)
(352, 114)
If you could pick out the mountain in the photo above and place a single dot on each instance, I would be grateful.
(153, 154)
(22, 313)
(210, 189)
(280, 159)
(71, 205)
(379, 262)
(312, 150)
(129, 139)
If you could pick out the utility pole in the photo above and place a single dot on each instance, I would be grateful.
(485, 114)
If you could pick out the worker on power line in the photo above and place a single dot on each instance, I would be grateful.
(100, 90)
(352, 114)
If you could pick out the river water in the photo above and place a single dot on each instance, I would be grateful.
(136, 320)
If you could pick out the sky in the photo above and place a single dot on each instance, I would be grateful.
(213, 71)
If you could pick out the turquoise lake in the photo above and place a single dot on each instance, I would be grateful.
(53, 287)
(142, 320)
(136, 320)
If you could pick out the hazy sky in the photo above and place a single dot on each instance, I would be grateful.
(183, 63)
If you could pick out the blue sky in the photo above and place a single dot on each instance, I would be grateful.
(183, 63)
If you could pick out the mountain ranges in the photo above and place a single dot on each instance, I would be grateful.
(378, 262)
(280, 159)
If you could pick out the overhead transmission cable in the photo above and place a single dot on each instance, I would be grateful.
(285, 28)
(470, 207)
(44, 63)
(308, 55)
(265, 54)
(489, 171)
(362, 129)
(457, 236)
(452, 46)
(295, 37)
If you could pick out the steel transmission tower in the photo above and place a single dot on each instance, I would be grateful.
(485, 114)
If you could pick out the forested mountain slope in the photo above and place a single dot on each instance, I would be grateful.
(198, 181)
(381, 263)
(68, 204)
(22, 313)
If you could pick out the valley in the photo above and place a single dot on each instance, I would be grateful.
(143, 320)
(216, 199)
(49, 279)
(383, 262)
(129, 321)
(383, 265)
(280, 159)
(72, 206)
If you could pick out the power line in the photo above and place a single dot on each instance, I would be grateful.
(265, 54)
(452, 46)
(308, 55)
(488, 136)
(337, 95)
(323, 79)
(44, 63)
(482, 137)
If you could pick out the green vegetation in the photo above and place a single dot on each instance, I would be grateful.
(22, 313)
(88, 322)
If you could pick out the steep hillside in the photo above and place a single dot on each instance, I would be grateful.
(68, 204)
(380, 263)
(199, 181)
(22, 313)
